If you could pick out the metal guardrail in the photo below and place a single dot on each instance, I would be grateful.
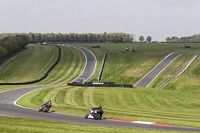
(102, 67)
(99, 84)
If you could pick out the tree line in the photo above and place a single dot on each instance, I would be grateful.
(10, 44)
(187, 39)
(174, 39)
(75, 37)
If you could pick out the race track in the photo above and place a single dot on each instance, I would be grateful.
(8, 107)
(150, 76)
(90, 65)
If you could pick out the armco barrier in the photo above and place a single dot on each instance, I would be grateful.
(99, 84)
(40, 79)
(102, 67)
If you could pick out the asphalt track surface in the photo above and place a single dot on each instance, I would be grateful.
(8, 107)
(150, 76)
(90, 65)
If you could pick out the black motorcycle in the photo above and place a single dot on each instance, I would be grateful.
(95, 113)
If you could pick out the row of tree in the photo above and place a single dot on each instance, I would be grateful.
(188, 39)
(148, 39)
(74, 37)
(172, 39)
(11, 44)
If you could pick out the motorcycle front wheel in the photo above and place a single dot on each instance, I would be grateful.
(86, 117)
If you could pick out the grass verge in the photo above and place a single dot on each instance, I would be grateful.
(20, 125)
(188, 81)
(150, 105)
(171, 70)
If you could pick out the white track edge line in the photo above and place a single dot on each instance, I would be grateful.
(188, 64)
(6, 115)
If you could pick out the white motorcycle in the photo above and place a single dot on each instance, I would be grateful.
(95, 113)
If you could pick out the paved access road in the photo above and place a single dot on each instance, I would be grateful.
(150, 76)
(8, 107)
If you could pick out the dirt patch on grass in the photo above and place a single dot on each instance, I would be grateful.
(139, 70)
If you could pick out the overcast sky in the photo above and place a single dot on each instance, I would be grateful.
(157, 18)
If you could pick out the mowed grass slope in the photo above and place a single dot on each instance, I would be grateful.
(171, 70)
(153, 105)
(34, 64)
(29, 66)
(130, 67)
(138, 103)
(71, 65)
(164, 106)
(189, 80)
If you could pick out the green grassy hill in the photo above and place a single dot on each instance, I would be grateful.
(29, 66)
(151, 105)
(130, 67)
(71, 65)
(177, 103)
(188, 81)
(34, 64)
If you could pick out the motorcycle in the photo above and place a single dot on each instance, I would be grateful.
(95, 113)
(45, 108)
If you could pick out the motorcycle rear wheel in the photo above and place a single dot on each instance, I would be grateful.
(97, 116)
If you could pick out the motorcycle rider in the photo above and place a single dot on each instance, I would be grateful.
(47, 104)
(100, 110)
(95, 113)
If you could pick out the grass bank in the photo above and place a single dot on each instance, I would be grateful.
(20, 125)
(130, 67)
(171, 70)
(29, 66)
(188, 81)
(35, 63)
(71, 65)
(175, 104)
(150, 105)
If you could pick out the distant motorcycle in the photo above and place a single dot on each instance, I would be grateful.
(95, 113)
(45, 107)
